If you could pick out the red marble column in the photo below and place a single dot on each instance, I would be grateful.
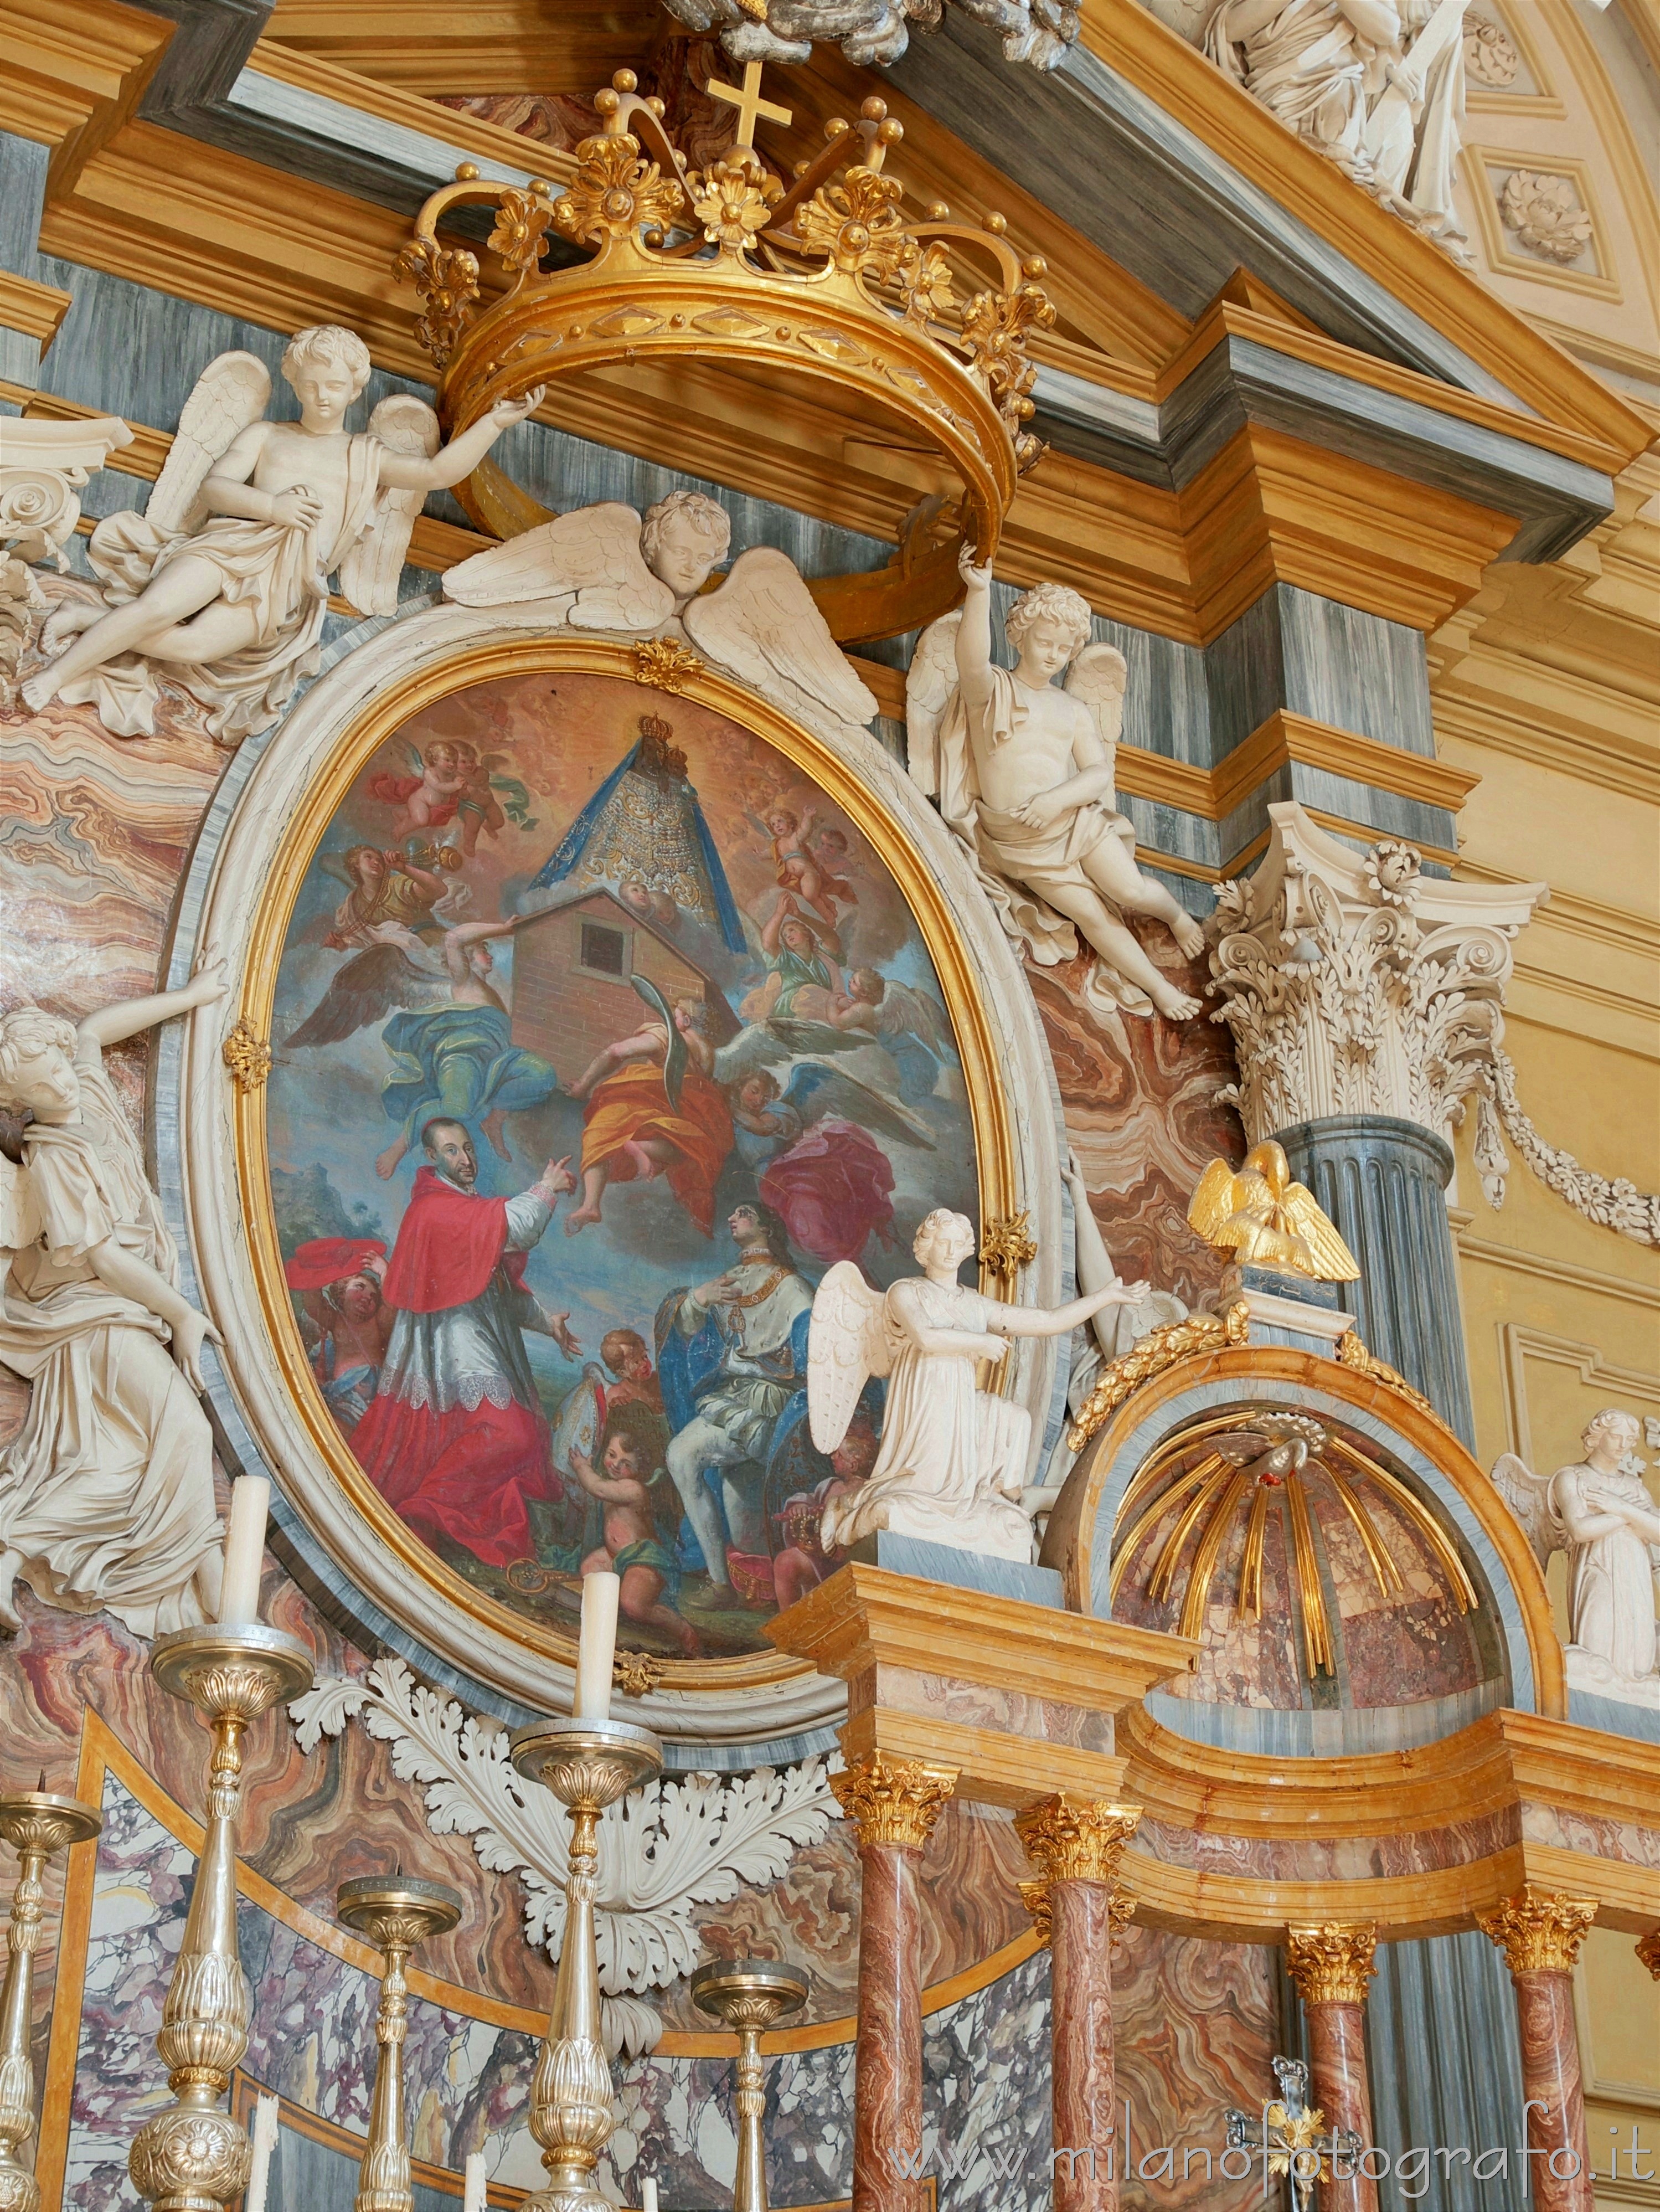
(1540, 1934)
(1076, 1848)
(1331, 1966)
(895, 1804)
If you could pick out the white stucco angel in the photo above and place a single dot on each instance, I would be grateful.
(952, 1459)
(106, 1496)
(223, 580)
(1600, 1512)
(1023, 771)
(606, 568)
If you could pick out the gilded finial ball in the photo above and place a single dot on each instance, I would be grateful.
(626, 81)
(541, 187)
(937, 211)
(801, 169)
(1036, 267)
(467, 173)
(837, 127)
(607, 103)
(890, 132)
(657, 108)
(873, 109)
(996, 224)
(857, 237)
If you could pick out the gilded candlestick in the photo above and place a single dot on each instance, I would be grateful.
(396, 1912)
(749, 1995)
(194, 2156)
(588, 1765)
(35, 1823)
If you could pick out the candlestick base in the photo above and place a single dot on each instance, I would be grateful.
(749, 1995)
(232, 1673)
(396, 1912)
(588, 1765)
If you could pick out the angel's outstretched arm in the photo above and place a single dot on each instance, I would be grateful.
(1037, 1321)
(451, 462)
(646, 1044)
(1092, 1262)
(974, 638)
(112, 1024)
(941, 1343)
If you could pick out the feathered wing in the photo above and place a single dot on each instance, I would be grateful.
(905, 1010)
(847, 1345)
(1528, 1496)
(362, 991)
(755, 1047)
(231, 394)
(1332, 1261)
(764, 626)
(369, 569)
(1212, 1206)
(813, 1092)
(928, 682)
(1243, 1446)
(590, 558)
(1100, 676)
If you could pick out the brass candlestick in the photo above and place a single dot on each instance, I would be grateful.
(35, 1824)
(749, 1995)
(588, 1765)
(396, 1912)
(193, 2157)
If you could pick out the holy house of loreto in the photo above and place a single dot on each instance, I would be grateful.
(829, 1105)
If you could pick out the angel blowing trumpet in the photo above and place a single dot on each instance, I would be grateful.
(225, 573)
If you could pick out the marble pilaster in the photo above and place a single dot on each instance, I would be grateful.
(1540, 1934)
(1331, 1965)
(894, 1804)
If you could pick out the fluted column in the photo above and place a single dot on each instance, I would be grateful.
(894, 1804)
(1076, 1848)
(1331, 1965)
(1540, 1934)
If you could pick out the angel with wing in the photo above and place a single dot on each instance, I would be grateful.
(606, 568)
(952, 1460)
(1023, 771)
(225, 576)
(1600, 1512)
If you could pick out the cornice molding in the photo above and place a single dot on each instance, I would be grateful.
(35, 310)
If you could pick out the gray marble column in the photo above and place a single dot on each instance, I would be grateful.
(1383, 1183)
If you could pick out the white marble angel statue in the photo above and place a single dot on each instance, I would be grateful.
(952, 1464)
(1600, 1512)
(106, 1496)
(606, 568)
(223, 580)
(1023, 771)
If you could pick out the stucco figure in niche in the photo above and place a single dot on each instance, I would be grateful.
(223, 580)
(1599, 1512)
(606, 568)
(541, 1369)
(1377, 87)
(952, 1467)
(1022, 762)
(106, 1495)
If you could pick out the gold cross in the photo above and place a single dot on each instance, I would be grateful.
(748, 103)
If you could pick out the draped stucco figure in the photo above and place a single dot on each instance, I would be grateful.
(952, 1460)
(1023, 771)
(223, 580)
(106, 1496)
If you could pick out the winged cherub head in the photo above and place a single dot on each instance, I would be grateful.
(683, 539)
(1048, 627)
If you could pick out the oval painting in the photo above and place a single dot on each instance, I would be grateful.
(602, 1031)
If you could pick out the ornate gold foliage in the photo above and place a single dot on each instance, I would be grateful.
(1353, 1355)
(446, 278)
(733, 202)
(1008, 1245)
(617, 194)
(893, 1802)
(1331, 1963)
(521, 224)
(248, 1055)
(1538, 1931)
(665, 663)
(1070, 1841)
(1159, 1349)
(857, 221)
(637, 1674)
(1648, 1952)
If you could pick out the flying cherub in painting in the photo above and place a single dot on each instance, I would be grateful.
(912, 1025)
(451, 783)
(805, 858)
(1268, 1220)
(634, 1549)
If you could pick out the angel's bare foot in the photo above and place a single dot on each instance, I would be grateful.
(1175, 1005)
(492, 1127)
(582, 1217)
(39, 689)
(386, 1163)
(66, 622)
(1188, 934)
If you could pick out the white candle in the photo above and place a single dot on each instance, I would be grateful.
(597, 1652)
(264, 2149)
(648, 2194)
(473, 2198)
(245, 1551)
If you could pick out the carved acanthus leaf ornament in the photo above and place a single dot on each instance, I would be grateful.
(894, 1801)
(1538, 1931)
(1331, 1963)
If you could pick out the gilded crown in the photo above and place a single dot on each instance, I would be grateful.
(825, 276)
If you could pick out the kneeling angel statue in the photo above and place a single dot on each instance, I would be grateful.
(1022, 765)
(106, 1495)
(224, 578)
(952, 1459)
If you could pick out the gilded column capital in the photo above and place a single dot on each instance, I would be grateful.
(1539, 1931)
(894, 1801)
(1648, 1950)
(1331, 1963)
(1072, 1840)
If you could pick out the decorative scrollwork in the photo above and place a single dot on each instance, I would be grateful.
(665, 663)
(1009, 1245)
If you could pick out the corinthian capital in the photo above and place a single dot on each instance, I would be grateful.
(1354, 983)
(1071, 1841)
(1332, 1964)
(1538, 1931)
(894, 1801)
